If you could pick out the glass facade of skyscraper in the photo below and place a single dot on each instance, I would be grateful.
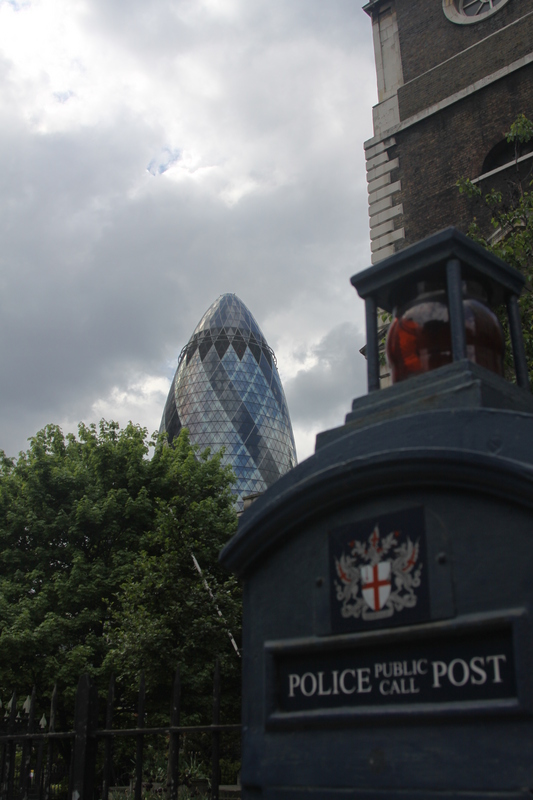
(228, 393)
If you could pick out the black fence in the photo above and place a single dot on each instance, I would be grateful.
(32, 766)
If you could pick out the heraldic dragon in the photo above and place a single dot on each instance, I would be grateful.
(365, 576)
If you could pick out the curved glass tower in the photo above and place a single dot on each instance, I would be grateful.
(228, 393)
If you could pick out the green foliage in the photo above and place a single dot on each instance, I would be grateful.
(521, 132)
(194, 769)
(511, 231)
(164, 615)
(229, 771)
(95, 564)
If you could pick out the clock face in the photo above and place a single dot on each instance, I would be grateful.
(465, 12)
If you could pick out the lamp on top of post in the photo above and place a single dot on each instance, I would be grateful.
(442, 293)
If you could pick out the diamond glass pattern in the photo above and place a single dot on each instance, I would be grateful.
(228, 393)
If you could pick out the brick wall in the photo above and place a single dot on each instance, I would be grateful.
(484, 58)
(436, 151)
(427, 37)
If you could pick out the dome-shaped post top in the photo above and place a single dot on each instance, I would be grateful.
(228, 393)
(441, 292)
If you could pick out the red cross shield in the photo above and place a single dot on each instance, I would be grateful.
(376, 584)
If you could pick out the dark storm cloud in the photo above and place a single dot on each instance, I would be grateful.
(59, 303)
(322, 394)
(110, 254)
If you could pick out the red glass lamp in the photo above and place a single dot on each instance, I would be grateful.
(419, 338)
(442, 293)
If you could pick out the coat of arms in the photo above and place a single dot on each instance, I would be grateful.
(379, 576)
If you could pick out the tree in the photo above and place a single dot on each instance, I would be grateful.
(81, 521)
(165, 615)
(510, 233)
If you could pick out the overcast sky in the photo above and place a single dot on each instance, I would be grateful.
(155, 155)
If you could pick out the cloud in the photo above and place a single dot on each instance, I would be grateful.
(156, 155)
(142, 398)
(321, 392)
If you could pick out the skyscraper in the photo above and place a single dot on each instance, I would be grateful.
(228, 393)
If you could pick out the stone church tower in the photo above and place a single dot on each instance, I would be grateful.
(452, 77)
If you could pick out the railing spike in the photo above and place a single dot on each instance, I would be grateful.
(215, 746)
(174, 743)
(108, 747)
(139, 753)
(27, 746)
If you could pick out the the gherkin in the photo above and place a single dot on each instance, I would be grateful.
(228, 393)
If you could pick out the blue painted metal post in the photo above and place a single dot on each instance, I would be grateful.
(372, 344)
(455, 309)
(517, 343)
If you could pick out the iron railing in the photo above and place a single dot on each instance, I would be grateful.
(29, 767)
